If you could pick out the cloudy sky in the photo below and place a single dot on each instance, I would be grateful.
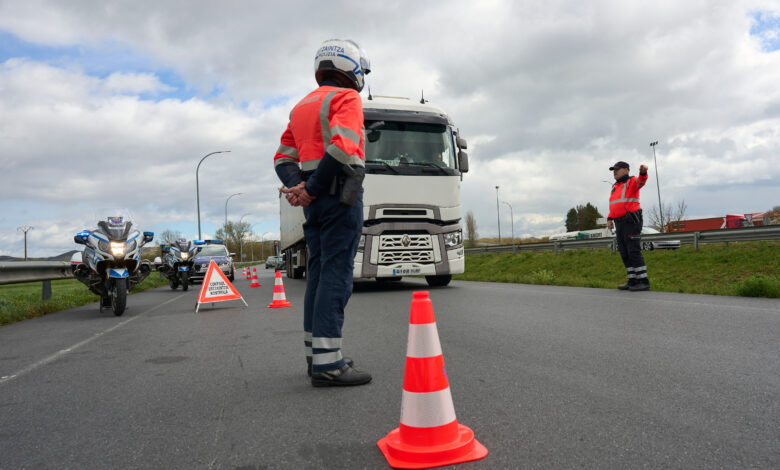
(109, 105)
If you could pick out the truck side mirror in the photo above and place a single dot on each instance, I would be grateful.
(461, 143)
(463, 161)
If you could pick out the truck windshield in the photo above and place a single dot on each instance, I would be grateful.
(410, 148)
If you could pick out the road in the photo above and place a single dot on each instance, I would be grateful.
(547, 377)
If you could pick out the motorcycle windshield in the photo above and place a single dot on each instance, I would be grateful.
(116, 228)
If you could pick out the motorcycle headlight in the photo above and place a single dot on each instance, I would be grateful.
(118, 248)
(184, 256)
(453, 239)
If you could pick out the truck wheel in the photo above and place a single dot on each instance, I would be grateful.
(438, 281)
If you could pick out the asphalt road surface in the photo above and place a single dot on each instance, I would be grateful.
(547, 377)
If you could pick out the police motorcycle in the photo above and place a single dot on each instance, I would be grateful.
(176, 263)
(111, 264)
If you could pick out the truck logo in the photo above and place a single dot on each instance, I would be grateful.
(406, 240)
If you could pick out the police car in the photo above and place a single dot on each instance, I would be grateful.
(207, 250)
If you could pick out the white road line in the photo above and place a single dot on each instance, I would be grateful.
(62, 352)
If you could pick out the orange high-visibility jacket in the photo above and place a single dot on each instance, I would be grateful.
(625, 196)
(329, 119)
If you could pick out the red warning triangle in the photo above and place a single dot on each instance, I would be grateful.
(216, 287)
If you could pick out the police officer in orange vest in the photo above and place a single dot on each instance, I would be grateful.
(321, 162)
(625, 216)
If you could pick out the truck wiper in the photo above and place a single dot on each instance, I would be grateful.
(382, 162)
(432, 165)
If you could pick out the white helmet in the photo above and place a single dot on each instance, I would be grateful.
(344, 57)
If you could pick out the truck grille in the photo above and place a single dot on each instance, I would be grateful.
(396, 242)
(409, 256)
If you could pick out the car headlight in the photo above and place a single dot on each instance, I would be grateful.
(224, 265)
(118, 248)
(362, 243)
(184, 256)
(453, 239)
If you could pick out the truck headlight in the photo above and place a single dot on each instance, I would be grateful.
(118, 248)
(453, 239)
(362, 243)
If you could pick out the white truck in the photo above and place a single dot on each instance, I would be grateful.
(411, 202)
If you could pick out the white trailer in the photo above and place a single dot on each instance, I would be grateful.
(411, 203)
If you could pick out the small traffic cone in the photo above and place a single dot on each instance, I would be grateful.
(280, 300)
(248, 274)
(429, 434)
(254, 278)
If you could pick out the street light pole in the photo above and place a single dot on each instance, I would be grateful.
(25, 229)
(226, 202)
(197, 185)
(241, 240)
(498, 217)
(512, 216)
(658, 187)
(262, 245)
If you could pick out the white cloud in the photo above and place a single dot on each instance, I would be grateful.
(548, 94)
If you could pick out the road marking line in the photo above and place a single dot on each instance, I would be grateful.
(62, 352)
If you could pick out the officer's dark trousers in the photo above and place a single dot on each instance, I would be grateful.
(628, 233)
(332, 233)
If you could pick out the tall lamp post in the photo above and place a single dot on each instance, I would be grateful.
(498, 217)
(262, 245)
(512, 216)
(25, 229)
(658, 187)
(241, 240)
(197, 184)
(226, 202)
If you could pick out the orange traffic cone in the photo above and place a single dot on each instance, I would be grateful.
(280, 300)
(254, 278)
(248, 273)
(429, 434)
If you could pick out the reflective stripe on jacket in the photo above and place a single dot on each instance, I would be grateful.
(329, 119)
(625, 196)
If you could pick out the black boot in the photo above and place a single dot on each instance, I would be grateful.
(627, 285)
(348, 360)
(639, 286)
(346, 376)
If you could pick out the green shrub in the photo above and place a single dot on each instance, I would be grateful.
(759, 286)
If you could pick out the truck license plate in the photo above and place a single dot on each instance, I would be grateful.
(406, 271)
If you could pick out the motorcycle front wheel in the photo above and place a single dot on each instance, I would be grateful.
(185, 282)
(119, 297)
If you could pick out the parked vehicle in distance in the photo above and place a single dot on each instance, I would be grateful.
(658, 245)
(711, 223)
(276, 262)
(207, 250)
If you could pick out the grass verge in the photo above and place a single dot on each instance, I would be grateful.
(23, 301)
(742, 269)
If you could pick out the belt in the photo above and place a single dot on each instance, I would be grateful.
(630, 216)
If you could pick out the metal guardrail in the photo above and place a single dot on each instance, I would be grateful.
(14, 272)
(771, 232)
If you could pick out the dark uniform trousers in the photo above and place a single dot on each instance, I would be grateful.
(332, 232)
(628, 230)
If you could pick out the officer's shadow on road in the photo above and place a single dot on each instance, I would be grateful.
(392, 286)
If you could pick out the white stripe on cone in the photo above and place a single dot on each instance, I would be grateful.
(423, 341)
(279, 295)
(427, 410)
